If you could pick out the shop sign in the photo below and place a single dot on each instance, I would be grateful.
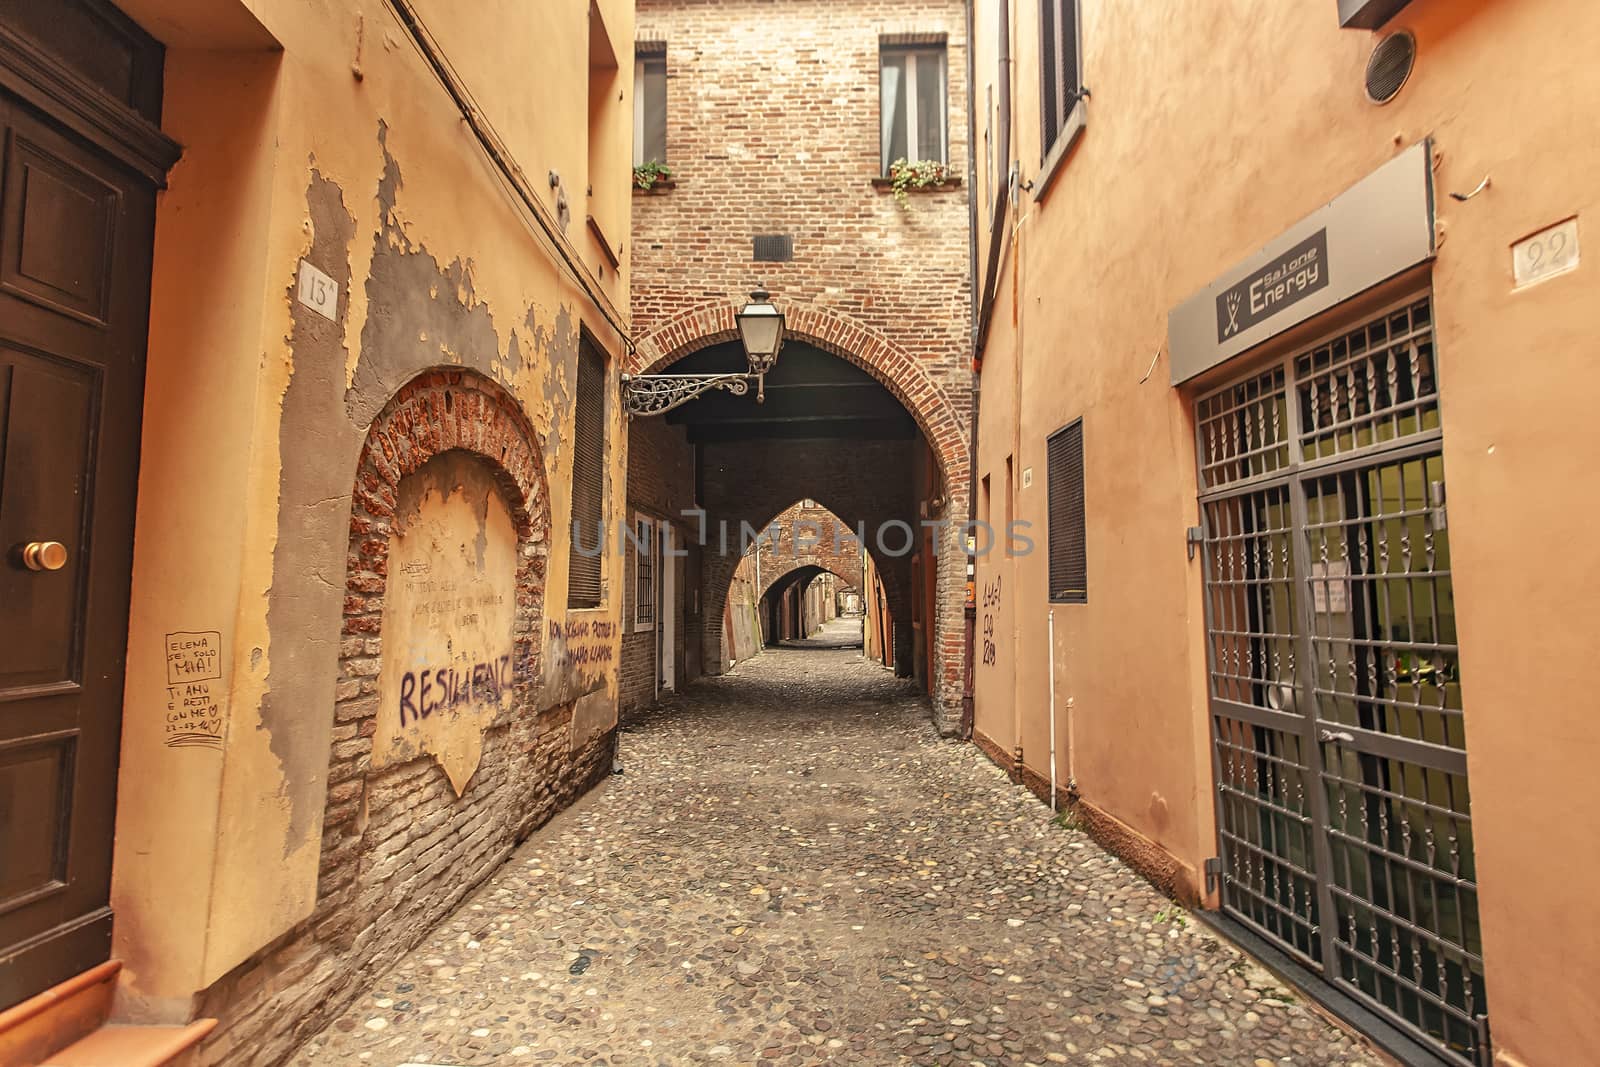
(1380, 227)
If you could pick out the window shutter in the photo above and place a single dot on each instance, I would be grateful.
(1058, 69)
(1069, 571)
(588, 479)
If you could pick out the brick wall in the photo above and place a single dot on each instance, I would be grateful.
(836, 546)
(400, 849)
(773, 128)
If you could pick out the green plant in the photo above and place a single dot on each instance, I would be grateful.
(1068, 819)
(1173, 914)
(646, 175)
(905, 175)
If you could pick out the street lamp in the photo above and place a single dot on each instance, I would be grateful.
(760, 332)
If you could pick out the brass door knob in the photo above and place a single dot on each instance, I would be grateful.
(44, 555)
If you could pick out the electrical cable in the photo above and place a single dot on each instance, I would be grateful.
(509, 172)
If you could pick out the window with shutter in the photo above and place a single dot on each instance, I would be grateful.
(588, 479)
(1060, 78)
(1069, 570)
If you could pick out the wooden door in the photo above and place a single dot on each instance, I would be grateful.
(76, 232)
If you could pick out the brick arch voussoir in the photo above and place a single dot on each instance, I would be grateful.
(895, 368)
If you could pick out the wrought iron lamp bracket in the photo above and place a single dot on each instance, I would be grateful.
(657, 394)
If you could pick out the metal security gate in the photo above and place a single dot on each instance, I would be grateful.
(1340, 755)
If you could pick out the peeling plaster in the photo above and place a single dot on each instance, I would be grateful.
(417, 314)
(311, 536)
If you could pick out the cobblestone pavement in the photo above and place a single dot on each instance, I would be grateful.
(795, 869)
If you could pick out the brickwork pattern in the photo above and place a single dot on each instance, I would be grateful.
(837, 548)
(399, 849)
(773, 128)
(660, 484)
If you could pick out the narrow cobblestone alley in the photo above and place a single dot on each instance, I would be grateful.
(793, 869)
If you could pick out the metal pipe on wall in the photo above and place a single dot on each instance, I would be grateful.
(1052, 657)
(1002, 197)
(969, 609)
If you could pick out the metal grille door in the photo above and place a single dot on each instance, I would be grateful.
(1337, 715)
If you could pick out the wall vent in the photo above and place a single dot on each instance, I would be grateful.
(774, 247)
(1390, 66)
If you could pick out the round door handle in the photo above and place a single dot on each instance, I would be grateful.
(44, 555)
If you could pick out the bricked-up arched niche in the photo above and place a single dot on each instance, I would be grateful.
(934, 408)
(460, 416)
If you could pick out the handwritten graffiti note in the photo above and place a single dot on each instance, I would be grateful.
(584, 643)
(448, 617)
(991, 601)
(194, 689)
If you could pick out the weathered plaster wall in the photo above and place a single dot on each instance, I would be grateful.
(338, 147)
(1212, 127)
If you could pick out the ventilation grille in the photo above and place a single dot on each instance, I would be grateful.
(1390, 66)
(774, 247)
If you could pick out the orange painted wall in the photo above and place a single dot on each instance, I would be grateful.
(1213, 126)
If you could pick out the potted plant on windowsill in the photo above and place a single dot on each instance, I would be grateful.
(652, 175)
(916, 174)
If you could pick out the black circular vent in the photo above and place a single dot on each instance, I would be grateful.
(1390, 66)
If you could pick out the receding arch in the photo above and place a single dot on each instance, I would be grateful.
(817, 565)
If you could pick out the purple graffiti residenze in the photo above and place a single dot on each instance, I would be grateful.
(424, 692)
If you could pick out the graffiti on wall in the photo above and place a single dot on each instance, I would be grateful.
(194, 689)
(584, 643)
(991, 603)
(449, 615)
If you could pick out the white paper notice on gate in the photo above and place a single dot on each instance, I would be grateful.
(1330, 589)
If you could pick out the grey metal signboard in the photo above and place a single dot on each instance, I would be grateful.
(1379, 227)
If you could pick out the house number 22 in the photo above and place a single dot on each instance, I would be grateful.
(1547, 253)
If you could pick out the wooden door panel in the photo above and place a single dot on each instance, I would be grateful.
(76, 236)
(35, 815)
(57, 235)
(48, 418)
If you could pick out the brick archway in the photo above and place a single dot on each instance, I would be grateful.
(897, 369)
(902, 372)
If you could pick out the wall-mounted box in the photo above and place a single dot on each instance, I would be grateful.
(1368, 14)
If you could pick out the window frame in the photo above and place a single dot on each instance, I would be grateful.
(602, 360)
(642, 60)
(910, 52)
(645, 576)
(1083, 512)
(1054, 145)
